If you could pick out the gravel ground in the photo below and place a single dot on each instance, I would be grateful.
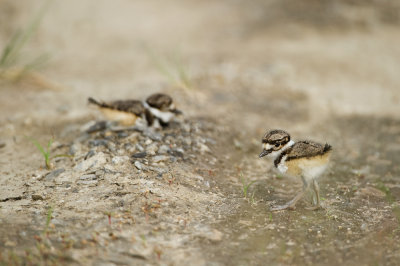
(139, 196)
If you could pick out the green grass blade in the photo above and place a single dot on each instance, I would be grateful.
(38, 146)
(37, 62)
(12, 51)
(49, 145)
(9, 48)
(48, 219)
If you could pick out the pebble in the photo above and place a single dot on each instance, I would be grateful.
(187, 141)
(88, 177)
(214, 235)
(139, 147)
(138, 165)
(152, 135)
(163, 149)
(160, 158)
(122, 134)
(111, 146)
(98, 126)
(119, 159)
(87, 182)
(139, 155)
(363, 227)
(152, 148)
(74, 148)
(98, 142)
(90, 153)
(54, 174)
(37, 197)
(203, 148)
(95, 161)
(158, 170)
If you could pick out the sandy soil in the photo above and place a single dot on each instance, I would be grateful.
(324, 71)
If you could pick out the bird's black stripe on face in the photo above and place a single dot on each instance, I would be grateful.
(281, 141)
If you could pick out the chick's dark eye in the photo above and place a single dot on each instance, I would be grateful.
(277, 144)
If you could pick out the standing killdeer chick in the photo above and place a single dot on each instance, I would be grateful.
(160, 109)
(125, 112)
(305, 159)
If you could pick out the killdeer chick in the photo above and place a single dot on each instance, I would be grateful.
(305, 159)
(160, 110)
(125, 112)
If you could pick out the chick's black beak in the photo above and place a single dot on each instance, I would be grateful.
(264, 152)
(176, 111)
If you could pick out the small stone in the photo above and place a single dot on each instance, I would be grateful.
(186, 127)
(95, 161)
(139, 155)
(98, 126)
(163, 149)
(152, 148)
(179, 152)
(54, 174)
(203, 148)
(88, 177)
(159, 170)
(119, 159)
(291, 243)
(111, 146)
(237, 144)
(214, 235)
(148, 142)
(152, 135)
(90, 154)
(98, 142)
(160, 158)
(187, 141)
(87, 182)
(138, 165)
(74, 148)
(37, 197)
(122, 134)
(363, 227)
(139, 148)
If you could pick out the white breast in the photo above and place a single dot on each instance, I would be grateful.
(164, 116)
(282, 166)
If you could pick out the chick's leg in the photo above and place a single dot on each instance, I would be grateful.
(291, 204)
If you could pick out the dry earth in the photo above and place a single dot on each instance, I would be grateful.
(320, 70)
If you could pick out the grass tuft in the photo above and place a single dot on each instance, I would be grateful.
(11, 69)
(48, 219)
(245, 185)
(46, 153)
(173, 68)
(12, 51)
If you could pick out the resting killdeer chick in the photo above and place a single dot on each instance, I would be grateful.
(305, 159)
(160, 110)
(125, 112)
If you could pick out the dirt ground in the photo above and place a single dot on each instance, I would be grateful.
(322, 70)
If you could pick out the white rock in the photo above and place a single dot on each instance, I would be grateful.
(163, 149)
(93, 162)
(203, 148)
(138, 165)
(160, 158)
(152, 148)
(119, 159)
